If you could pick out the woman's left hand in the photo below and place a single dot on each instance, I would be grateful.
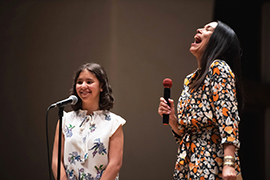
(228, 173)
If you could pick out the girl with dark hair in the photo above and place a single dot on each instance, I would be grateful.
(208, 110)
(92, 147)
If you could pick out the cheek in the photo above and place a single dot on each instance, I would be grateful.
(204, 44)
(77, 88)
(206, 39)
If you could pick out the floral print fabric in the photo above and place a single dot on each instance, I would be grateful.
(87, 143)
(207, 118)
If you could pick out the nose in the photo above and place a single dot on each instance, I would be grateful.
(199, 30)
(83, 84)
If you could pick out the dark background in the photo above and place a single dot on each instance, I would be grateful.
(139, 43)
(246, 19)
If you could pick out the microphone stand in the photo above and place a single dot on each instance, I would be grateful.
(60, 114)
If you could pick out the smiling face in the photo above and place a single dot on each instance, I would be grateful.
(201, 39)
(88, 89)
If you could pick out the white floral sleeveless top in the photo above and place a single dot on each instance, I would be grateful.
(87, 142)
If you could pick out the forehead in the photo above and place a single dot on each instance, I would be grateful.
(86, 74)
(211, 24)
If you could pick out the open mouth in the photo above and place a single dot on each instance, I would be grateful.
(197, 40)
(83, 93)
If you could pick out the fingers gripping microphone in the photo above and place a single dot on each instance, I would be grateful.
(167, 83)
(71, 100)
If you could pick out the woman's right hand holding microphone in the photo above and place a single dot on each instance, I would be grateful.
(164, 108)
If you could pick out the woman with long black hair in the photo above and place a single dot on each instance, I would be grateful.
(208, 110)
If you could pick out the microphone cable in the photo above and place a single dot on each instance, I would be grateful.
(48, 148)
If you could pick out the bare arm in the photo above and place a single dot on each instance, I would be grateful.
(229, 172)
(115, 155)
(55, 155)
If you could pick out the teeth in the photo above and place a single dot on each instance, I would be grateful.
(197, 39)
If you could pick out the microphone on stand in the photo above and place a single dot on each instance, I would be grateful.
(167, 83)
(60, 104)
(71, 100)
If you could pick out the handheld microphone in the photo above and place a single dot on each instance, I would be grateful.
(167, 83)
(71, 100)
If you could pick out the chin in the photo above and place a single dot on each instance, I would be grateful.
(193, 51)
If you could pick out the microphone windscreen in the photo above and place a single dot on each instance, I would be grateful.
(167, 83)
(74, 99)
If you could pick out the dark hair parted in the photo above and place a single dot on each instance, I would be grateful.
(106, 100)
(224, 45)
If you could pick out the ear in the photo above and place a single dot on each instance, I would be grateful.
(101, 89)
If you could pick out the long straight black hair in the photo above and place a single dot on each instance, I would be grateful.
(224, 45)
